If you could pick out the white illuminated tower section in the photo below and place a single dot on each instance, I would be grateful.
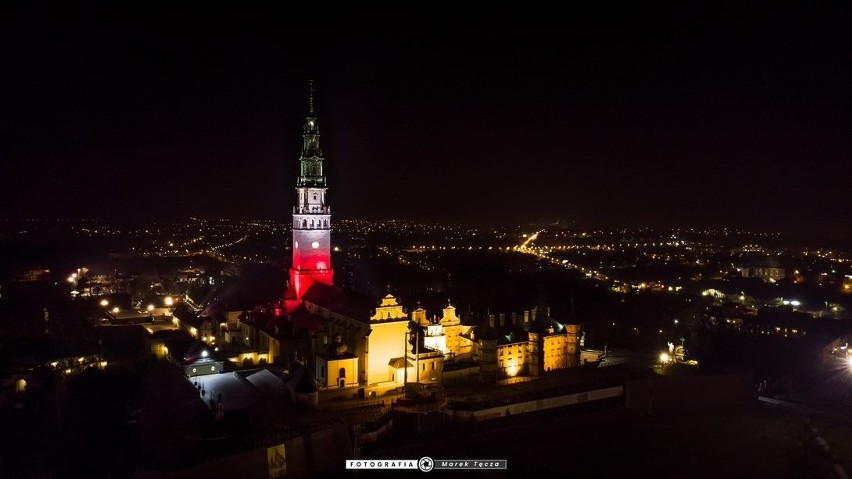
(311, 215)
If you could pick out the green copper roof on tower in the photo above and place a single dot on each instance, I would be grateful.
(311, 161)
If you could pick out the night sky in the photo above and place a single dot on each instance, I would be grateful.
(714, 113)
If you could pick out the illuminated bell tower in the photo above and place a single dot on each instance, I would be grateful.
(311, 215)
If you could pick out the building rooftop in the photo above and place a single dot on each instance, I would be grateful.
(513, 333)
(338, 300)
(544, 324)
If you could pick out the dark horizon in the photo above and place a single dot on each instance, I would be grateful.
(679, 116)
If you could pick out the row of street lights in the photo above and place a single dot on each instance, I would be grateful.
(168, 301)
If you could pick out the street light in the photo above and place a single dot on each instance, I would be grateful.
(104, 303)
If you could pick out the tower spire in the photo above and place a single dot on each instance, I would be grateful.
(310, 97)
(310, 137)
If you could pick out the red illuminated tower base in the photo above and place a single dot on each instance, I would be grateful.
(301, 281)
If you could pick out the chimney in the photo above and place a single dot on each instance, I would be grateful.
(502, 319)
(491, 320)
(526, 316)
(548, 311)
(514, 320)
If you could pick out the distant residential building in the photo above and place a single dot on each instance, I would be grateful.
(766, 273)
(192, 356)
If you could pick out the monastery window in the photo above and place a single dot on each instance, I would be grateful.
(304, 223)
(423, 368)
(433, 365)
